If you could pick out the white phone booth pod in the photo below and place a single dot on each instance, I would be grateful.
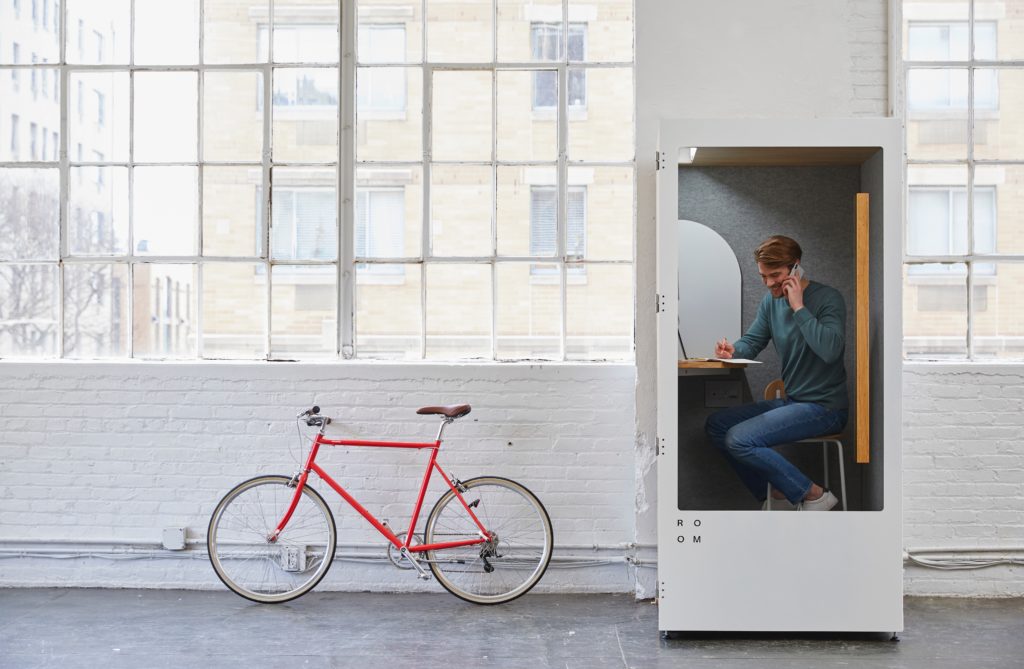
(835, 185)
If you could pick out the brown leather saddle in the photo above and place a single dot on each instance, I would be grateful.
(450, 411)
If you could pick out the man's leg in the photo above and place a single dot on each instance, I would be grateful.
(750, 444)
(718, 426)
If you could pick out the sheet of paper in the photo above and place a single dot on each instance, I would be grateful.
(744, 361)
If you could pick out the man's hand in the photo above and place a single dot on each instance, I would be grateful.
(723, 349)
(794, 290)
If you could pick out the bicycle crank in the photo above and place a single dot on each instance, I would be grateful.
(395, 556)
(423, 573)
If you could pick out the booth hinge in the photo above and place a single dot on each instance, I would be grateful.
(659, 303)
(659, 160)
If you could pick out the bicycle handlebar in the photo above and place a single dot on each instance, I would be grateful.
(309, 412)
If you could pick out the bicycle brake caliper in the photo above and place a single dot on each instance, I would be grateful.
(458, 485)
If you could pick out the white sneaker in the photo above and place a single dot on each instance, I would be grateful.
(778, 505)
(823, 503)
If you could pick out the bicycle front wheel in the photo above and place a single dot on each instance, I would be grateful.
(253, 566)
(515, 557)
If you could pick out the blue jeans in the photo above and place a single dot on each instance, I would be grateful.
(746, 434)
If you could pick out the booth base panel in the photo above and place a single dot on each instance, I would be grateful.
(780, 572)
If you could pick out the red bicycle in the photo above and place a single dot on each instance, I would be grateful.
(487, 540)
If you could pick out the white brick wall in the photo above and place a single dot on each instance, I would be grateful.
(108, 452)
(963, 478)
(867, 26)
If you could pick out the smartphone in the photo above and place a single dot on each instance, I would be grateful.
(796, 271)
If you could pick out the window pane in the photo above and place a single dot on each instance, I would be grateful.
(529, 30)
(98, 115)
(936, 209)
(232, 116)
(999, 312)
(166, 33)
(998, 118)
(389, 311)
(999, 29)
(937, 114)
(998, 213)
(937, 40)
(459, 31)
(600, 213)
(609, 29)
(232, 210)
(28, 310)
(389, 211)
(98, 31)
(935, 311)
(525, 132)
(304, 214)
(165, 211)
(304, 312)
(601, 114)
(306, 31)
(166, 125)
(95, 310)
(543, 221)
(528, 315)
(599, 289)
(230, 30)
(234, 310)
(458, 311)
(29, 214)
(527, 208)
(305, 122)
(389, 113)
(462, 115)
(383, 24)
(461, 209)
(380, 223)
(164, 311)
(29, 126)
(98, 210)
(36, 27)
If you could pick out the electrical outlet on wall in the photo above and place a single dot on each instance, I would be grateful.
(174, 538)
(718, 394)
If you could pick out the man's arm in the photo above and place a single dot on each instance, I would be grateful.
(756, 337)
(824, 332)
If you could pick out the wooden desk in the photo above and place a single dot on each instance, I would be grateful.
(710, 364)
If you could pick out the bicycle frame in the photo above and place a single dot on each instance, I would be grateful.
(311, 466)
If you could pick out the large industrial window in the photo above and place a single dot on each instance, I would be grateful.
(964, 245)
(218, 179)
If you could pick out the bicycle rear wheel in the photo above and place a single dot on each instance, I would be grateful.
(515, 558)
(253, 567)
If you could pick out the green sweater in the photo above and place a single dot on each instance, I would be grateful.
(811, 343)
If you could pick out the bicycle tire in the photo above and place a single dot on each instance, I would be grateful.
(254, 568)
(517, 559)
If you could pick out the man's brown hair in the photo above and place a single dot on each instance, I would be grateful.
(778, 250)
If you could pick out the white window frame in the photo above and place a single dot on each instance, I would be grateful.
(980, 267)
(344, 168)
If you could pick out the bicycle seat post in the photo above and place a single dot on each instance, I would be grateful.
(440, 430)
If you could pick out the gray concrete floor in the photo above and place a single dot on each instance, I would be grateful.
(166, 628)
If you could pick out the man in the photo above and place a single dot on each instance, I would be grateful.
(806, 321)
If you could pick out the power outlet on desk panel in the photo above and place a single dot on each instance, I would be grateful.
(719, 394)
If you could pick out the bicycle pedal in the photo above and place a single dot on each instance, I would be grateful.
(423, 577)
